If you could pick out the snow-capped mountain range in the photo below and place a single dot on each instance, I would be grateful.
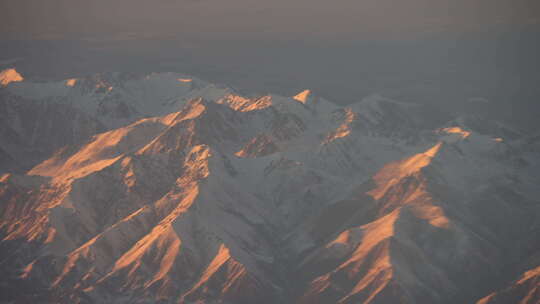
(163, 188)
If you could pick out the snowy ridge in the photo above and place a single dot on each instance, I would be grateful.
(191, 193)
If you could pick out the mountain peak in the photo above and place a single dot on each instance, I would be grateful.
(71, 82)
(9, 75)
(303, 96)
(243, 104)
(454, 133)
(194, 108)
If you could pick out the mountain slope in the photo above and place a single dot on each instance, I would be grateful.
(219, 198)
(38, 118)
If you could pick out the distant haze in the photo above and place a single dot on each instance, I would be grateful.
(281, 18)
(450, 53)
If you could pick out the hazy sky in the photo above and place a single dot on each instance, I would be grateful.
(58, 18)
(343, 49)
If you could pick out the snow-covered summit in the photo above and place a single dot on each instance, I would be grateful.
(164, 188)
